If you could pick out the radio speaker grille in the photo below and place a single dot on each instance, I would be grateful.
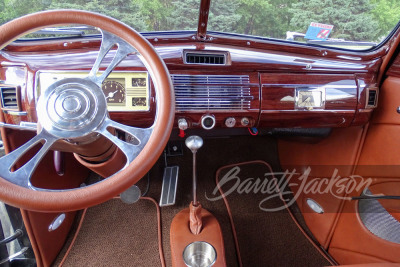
(212, 92)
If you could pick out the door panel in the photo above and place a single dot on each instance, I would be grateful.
(389, 101)
(350, 257)
(351, 236)
(375, 157)
(338, 151)
(352, 242)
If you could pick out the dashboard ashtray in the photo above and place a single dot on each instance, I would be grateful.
(199, 254)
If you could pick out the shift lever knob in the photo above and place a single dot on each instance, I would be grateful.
(194, 142)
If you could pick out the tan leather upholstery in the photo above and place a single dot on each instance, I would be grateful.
(195, 219)
(106, 169)
(352, 243)
(389, 100)
(181, 236)
(46, 244)
(339, 151)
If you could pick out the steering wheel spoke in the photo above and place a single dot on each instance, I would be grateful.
(108, 42)
(130, 149)
(23, 175)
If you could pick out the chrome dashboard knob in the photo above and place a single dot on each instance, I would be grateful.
(194, 143)
(183, 124)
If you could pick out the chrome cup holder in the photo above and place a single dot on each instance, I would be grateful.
(199, 254)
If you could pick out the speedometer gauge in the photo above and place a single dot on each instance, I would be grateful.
(114, 92)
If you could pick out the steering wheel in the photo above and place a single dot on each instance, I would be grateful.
(76, 109)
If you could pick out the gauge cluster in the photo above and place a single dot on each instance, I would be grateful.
(124, 91)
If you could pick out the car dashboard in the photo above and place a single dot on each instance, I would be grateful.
(219, 82)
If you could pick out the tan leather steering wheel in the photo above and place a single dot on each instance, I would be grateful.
(73, 99)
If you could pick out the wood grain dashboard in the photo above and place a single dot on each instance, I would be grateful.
(265, 88)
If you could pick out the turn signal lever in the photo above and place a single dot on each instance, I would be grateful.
(194, 143)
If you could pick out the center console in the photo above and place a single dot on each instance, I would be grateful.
(195, 234)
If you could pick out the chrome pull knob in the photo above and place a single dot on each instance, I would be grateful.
(194, 143)
(183, 124)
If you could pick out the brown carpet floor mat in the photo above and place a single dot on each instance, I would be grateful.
(126, 235)
(117, 234)
(214, 154)
(266, 233)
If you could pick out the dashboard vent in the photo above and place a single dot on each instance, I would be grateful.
(212, 92)
(205, 58)
(372, 97)
(9, 98)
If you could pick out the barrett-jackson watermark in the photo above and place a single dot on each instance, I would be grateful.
(272, 187)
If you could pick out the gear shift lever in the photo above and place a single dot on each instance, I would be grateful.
(194, 143)
(195, 224)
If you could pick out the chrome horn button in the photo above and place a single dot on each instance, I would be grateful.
(72, 108)
(71, 104)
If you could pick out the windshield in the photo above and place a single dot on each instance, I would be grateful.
(358, 24)
(355, 25)
(142, 15)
